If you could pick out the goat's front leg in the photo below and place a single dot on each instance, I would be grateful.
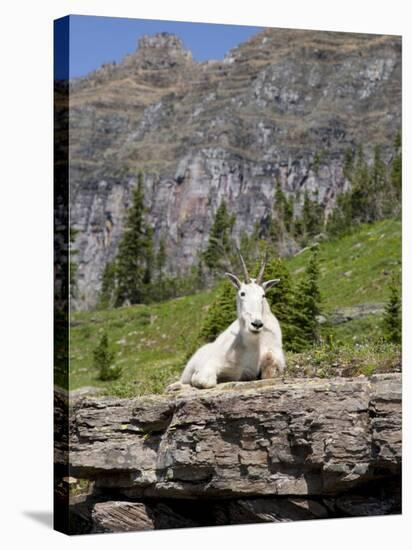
(272, 364)
(205, 376)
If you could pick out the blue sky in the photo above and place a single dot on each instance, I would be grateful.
(98, 40)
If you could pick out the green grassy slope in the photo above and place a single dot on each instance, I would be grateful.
(150, 342)
(356, 269)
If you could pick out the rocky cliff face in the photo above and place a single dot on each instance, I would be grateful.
(242, 452)
(284, 105)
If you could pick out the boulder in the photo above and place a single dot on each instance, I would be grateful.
(266, 450)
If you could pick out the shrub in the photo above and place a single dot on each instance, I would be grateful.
(392, 322)
(103, 359)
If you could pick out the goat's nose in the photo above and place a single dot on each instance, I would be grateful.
(257, 324)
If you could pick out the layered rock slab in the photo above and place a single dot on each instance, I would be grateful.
(297, 437)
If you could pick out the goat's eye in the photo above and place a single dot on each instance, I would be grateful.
(264, 296)
(242, 294)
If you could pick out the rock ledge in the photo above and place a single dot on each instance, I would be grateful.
(257, 451)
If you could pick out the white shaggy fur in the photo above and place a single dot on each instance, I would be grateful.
(250, 348)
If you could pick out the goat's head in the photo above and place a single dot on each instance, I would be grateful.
(250, 298)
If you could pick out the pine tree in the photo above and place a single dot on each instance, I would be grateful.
(283, 210)
(379, 191)
(274, 233)
(219, 316)
(248, 244)
(221, 313)
(161, 258)
(306, 307)
(103, 359)
(148, 256)
(298, 229)
(360, 195)
(340, 220)
(280, 298)
(364, 201)
(289, 214)
(348, 163)
(318, 160)
(219, 237)
(135, 254)
(312, 216)
(280, 200)
(281, 218)
(375, 191)
(392, 321)
(199, 275)
(108, 286)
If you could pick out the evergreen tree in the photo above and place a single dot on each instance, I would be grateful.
(247, 245)
(372, 195)
(375, 190)
(360, 189)
(392, 321)
(396, 168)
(280, 298)
(282, 218)
(312, 216)
(199, 275)
(280, 221)
(275, 232)
(107, 290)
(289, 214)
(281, 201)
(340, 220)
(379, 189)
(306, 307)
(148, 256)
(135, 254)
(221, 313)
(161, 258)
(348, 163)
(219, 237)
(354, 205)
(298, 229)
(103, 359)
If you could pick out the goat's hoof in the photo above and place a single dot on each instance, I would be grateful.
(176, 386)
(203, 382)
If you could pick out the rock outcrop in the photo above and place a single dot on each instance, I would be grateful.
(242, 452)
(285, 105)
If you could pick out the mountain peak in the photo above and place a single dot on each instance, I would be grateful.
(160, 40)
(162, 49)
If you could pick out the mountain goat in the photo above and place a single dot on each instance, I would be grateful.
(250, 348)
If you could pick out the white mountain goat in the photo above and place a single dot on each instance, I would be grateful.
(250, 348)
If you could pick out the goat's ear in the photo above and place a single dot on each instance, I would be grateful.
(234, 280)
(268, 284)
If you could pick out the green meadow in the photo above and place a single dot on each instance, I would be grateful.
(150, 342)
